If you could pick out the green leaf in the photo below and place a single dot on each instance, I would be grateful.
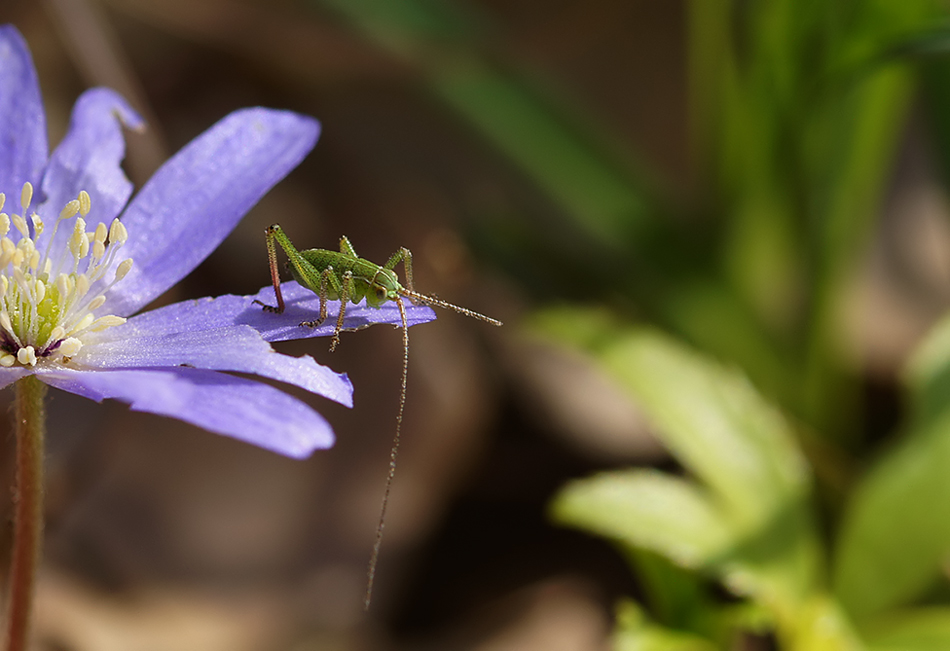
(896, 530)
(820, 625)
(922, 629)
(650, 509)
(676, 596)
(895, 533)
(636, 633)
(715, 423)
(927, 373)
(750, 522)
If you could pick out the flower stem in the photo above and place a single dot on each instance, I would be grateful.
(28, 515)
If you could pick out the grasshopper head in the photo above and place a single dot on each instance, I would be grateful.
(385, 287)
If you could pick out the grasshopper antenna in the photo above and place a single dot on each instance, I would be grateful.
(393, 453)
(425, 300)
(416, 297)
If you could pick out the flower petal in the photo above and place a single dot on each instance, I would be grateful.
(232, 406)
(23, 146)
(302, 305)
(10, 375)
(89, 158)
(233, 348)
(191, 204)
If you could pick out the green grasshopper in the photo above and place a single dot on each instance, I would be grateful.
(345, 276)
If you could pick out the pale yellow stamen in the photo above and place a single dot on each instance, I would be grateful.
(108, 321)
(70, 347)
(46, 308)
(26, 196)
(85, 203)
(84, 323)
(20, 224)
(26, 356)
(124, 267)
(117, 232)
(70, 209)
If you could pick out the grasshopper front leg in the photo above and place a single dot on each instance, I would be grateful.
(404, 256)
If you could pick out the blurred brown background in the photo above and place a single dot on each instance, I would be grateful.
(160, 536)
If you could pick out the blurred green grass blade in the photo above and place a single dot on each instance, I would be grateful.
(561, 152)
(410, 27)
(935, 78)
(708, 36)
(556, 157)
(856, 138)
(645, 508)
(807, 118)
(864, 136)
(919, 629)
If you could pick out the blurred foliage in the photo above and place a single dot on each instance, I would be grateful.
(796, 110)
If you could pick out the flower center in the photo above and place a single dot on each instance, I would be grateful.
(47, 305)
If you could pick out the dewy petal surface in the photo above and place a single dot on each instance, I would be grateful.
(10, 375)
(302, 305)
(233, 348)
(184, 212)
(90, 158)
(232, 406)
(23, 146)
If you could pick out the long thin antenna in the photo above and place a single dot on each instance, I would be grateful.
(374, 557)
(438, 302)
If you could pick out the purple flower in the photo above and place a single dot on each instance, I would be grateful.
(72, 274)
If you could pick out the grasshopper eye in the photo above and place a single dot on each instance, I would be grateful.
(381, 292)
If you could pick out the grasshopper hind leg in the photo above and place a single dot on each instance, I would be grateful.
(271, 233)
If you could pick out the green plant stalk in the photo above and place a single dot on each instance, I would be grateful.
(28, 515)
(846, 223)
